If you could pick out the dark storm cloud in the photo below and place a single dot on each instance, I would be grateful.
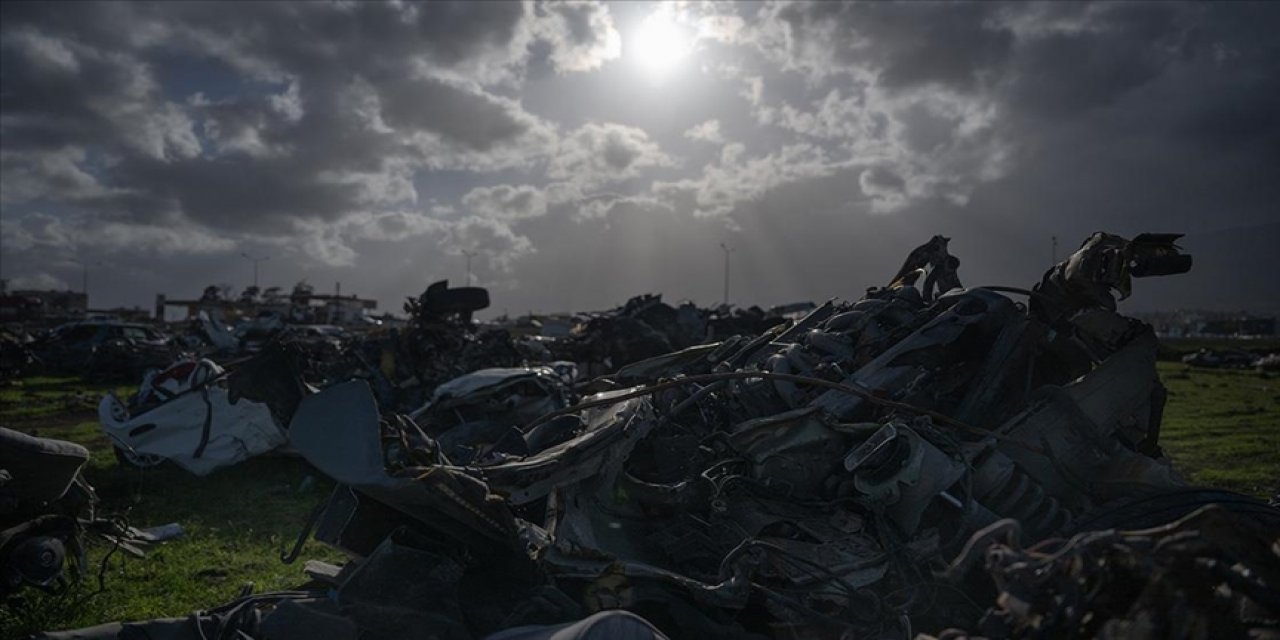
(233, 188)
(823, 139)
(298, 37)
(297, 112)
(1006, 124)
(1115, 50)
(472, 119)
(907, 43)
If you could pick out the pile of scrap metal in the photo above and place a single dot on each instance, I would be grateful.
(1270, 362)
(440, 343)
(1210, 574)
(16, 356)
(323, 348)
(833, 477)
(646, 326)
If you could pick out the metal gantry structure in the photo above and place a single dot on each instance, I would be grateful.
(256, 262)
(727, 250)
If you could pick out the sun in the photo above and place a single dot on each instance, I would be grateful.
(659, 44)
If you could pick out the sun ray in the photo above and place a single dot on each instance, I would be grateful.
(659, 44)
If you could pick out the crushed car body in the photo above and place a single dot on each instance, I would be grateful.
(185, 414)
(47, 510)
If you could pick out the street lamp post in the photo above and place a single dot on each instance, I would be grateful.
(469, 255)
(255, 265)
(84, 277)
(727, 251)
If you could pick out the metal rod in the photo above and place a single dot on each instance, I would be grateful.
(865, 394)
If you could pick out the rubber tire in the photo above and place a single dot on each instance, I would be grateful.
(141, 461)
(457, 300)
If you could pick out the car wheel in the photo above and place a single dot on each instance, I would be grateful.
(137, 460)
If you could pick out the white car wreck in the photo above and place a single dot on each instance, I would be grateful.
(185, 415)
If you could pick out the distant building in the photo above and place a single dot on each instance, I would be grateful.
(1218, 324)
(30, 304)
(303, 305)
(120, 314)
(1242, 325)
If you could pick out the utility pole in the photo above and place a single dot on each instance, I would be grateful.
(1055, 250)
(255, 265)
(469, 255)
(727, 251)
(84, 277)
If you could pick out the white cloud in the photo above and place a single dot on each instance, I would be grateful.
(506, 202)
(40, 281)
(491, 237)
(383, 128)
(157, 240)
(48, 234)
(57, 174)
(708, 131)
(595, 154)
(884, 187)
(582, 34)
(36, 230)
(939, 142)
(391, 226)
(49, 55)
(736, 178)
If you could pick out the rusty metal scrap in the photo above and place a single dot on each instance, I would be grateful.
(1210, 574)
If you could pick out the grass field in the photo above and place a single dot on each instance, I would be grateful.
(1221, 428)
(235, 520)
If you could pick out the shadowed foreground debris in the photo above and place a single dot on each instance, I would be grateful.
(926, 459)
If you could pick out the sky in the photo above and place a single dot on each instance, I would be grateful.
(586, 153)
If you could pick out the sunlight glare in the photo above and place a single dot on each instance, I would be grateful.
(659, 44)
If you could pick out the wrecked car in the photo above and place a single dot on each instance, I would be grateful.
(47, 510)
(1222, 358)
(254, 334)
(479, 414)
(42, 499)
(104, 349)
(185, 414)
(16, 356)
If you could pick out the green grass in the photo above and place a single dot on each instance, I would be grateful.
(1221, 428)
(236, 520)
(37, 397)
(1174, 348)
